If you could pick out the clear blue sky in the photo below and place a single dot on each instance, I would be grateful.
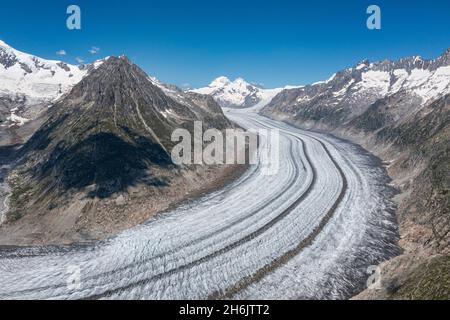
(273, 43)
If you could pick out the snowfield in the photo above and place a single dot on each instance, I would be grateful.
(309, 231)
(33, 82)
(35, 77)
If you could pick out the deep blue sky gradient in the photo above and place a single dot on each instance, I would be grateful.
(273, 43)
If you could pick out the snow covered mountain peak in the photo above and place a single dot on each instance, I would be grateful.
(31, 77)
(29, 83)
(238, 93)
(227, 93)
(4, 44)
(226, 82)
(220, 81)
(241, 81)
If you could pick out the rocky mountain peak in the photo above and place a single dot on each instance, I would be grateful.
(123, 57)
(362, 64)
(109, 131)
(444, 59)
(6, 58)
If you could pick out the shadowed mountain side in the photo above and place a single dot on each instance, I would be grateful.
(106, 161)
(112, 127)
(105, 144)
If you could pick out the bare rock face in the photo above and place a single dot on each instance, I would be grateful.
(110, 134)
(400, 111)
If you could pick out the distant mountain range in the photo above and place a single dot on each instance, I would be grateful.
(351, 93)
(420, 81)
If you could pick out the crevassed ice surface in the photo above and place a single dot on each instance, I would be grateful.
(213, 243)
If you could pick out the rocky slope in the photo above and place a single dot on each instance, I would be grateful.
(102, 158)
(238, 93)
(400, 111)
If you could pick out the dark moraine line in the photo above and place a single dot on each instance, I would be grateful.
(285, 258)
(229, 247)
(239, 242)
(206, 258)
(19, 252)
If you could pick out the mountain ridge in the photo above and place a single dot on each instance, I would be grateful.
(351, 91)
(104, 151)
(30, 84)
(400, 111)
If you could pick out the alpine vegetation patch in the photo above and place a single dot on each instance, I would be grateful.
(236, 146)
